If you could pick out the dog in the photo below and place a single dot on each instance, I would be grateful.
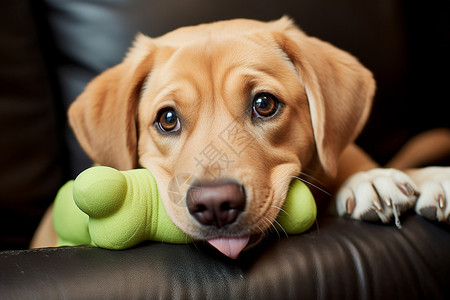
(227, 114)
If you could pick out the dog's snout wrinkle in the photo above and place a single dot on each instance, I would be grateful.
(216, 204)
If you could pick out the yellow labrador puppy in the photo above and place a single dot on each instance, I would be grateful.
(235, 110)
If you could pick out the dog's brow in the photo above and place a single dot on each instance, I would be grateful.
(144, 87)
(287, 60)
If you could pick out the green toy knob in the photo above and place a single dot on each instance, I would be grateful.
(299, 210)
(100, 191)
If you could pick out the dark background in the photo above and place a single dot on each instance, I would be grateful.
(50, 49)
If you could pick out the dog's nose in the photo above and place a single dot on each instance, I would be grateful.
(216, 204)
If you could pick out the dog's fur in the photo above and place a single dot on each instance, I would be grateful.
(209, 74)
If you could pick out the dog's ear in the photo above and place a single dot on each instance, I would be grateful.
(339, 90)
(103, 117)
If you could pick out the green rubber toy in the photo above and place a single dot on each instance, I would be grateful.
(114, 209)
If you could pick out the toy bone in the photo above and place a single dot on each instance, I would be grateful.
(115, 209)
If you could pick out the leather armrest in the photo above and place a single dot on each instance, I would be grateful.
(338, 259)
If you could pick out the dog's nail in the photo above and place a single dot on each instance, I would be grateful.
(396, 216)
(377, 204)
(388, 202)
(410, 189)
(350, 205)
(406, 189)
(441, 201)
(429, 213)
(403, 189)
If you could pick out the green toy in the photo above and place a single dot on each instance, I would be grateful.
(115, 209)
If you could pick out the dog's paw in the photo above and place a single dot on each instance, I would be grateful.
(376, 195)
(434, 185)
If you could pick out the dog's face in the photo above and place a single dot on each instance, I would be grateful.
(224, 116)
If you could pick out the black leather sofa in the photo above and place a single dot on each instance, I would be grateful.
(49, 49)
(340, 259)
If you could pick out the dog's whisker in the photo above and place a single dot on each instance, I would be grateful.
(312, 178)
(280, 209)
(268, 224)
(164, 237)
(281, 227)
(312, 184)
(261, 230)
(317, 226)
(193, 243)
(272, 225)
(186, 239)
(276, 225)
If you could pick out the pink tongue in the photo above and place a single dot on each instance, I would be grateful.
(230, 246)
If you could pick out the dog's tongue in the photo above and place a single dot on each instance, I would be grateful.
(230, 246)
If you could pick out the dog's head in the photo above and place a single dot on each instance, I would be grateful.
(225, 115)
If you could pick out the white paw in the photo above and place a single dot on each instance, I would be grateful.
(376, 195)
(434, 185)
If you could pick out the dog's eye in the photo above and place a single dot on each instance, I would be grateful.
(168, 121)
(265, 105)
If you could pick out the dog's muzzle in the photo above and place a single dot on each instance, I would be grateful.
(219, 204)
